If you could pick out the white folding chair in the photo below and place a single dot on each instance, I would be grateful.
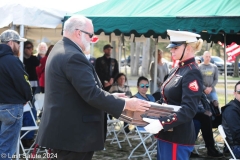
(144, 136)
(39, 99)
(27, 129)
(112, 125)
(222, 133)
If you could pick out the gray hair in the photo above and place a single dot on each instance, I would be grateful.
(75, 22)
(39, 50)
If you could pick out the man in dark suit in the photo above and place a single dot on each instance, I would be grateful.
(106, 68)
(91, 59)
(72, 123)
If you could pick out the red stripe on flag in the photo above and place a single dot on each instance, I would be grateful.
(174, 151)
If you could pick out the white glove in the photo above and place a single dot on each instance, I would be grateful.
(154, 125)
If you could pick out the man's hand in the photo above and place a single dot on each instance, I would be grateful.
(120, 95)
(154, 125)
(111, 81)
(208, 113)
(107, 84)
(134, 104)
(207, 90)
(210, 89)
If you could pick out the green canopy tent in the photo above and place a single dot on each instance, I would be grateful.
(213, 20)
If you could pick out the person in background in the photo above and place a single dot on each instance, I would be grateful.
(15, 92)
(31, 62)
(119, 86)
(204, 117)
(162, 71)
(40, 70)
(107, 67)
(210, 78)
(72, 122)
(142, 86)
(41, 50)
(231, 121)
(183, 87)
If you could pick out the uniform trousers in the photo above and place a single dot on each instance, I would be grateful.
(173, 151)
(206, 128)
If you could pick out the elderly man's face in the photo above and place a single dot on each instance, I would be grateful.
(85, 38)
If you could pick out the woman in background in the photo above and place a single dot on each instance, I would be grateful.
(40, 70)
(142, 86)
(120, 86)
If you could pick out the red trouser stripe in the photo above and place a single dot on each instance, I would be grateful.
(174, 151)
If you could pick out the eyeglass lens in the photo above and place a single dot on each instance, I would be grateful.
(143, 85)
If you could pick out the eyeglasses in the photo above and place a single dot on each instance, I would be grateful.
(143, 85)
(28, 47)
(238, 92)
(89, 34)
(18, 42)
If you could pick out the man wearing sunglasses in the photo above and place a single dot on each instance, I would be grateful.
(15, 91)
(72, 122)
(231, 121)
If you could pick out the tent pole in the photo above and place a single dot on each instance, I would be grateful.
(21, 50)
(155, 66)
(225, 69)
(124, 54)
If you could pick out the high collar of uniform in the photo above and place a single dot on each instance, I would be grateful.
(186, 62)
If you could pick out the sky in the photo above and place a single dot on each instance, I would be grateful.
(71, 6)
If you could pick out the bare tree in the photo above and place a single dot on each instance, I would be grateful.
(236, 67)
(145, 57)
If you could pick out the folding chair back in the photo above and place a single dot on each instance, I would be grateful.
(27, 129)
(39, 99)
(222, 133)
(39, 96)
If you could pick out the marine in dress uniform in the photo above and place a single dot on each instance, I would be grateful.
(183, 87)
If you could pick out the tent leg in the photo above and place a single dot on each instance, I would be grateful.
(155, 66)
(124, 53)
(21, 44)
(225, 69)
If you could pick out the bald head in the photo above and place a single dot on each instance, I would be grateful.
(206, 57)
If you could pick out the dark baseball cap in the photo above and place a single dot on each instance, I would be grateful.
(107, 46)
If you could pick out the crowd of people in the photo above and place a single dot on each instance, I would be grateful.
(80, 91)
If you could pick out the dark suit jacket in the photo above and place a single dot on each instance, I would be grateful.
(74, 105)
(92, 60)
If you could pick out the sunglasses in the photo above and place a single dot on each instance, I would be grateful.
(238, 92)
(18, 42)
(143, 85)
(28, 47)
(89, 34)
